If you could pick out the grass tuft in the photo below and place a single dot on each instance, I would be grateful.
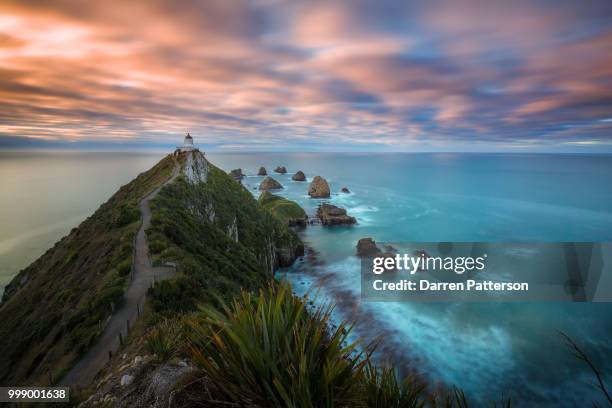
(163, 341)
(270, 350)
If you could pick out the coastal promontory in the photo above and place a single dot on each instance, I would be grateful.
(286, 210)
(203, 224)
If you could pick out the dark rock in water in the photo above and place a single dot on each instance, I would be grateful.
(280, 170)
(345, 190)
(236, 174)
(270, 184)
(299, 176)
(318, 188)
(367, 247)
(262, 171)
(332, 215)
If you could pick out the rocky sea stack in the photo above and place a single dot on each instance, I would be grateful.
(345, 190)
(262, 171)
(237, 174)
(280, 170)
(270, 184)
(299, 176)
(318, 188)
(332, 215)
(367, 247)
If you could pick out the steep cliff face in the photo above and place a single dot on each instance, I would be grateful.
(204, 222)
(217, 234)
(195, 167)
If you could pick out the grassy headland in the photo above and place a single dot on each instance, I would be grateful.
(220, 239)
(54, 309)
(285, 210)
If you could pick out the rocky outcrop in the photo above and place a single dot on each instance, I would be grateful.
(318, 188)
(237, 174)
(262, 171)
(280, 170)
(232, 230)
(196, 167)
(345, 190)
(367, 247)
(332, 215)
(144, 383)
(270, 184)
(287, 254)
(299, 176)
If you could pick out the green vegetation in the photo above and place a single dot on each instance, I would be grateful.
(218, 236)
(382, 388)
(163, 340)
(54, 309)
(285, 210)
(269, 350)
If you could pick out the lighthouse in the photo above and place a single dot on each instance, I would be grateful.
(187, 144)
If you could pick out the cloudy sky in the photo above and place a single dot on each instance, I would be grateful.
(292, 75)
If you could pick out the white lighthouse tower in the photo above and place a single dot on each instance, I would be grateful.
(187, 144)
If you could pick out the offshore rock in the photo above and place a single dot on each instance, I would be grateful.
(332, 215)
(237, 174)
(262, 171)
(280, 169)
(270, 184)
(367, 247)
(318, 188)
(299, 176)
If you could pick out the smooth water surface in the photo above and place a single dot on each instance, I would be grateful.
(46, 194)
(488, 349)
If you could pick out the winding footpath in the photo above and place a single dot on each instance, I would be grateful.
(144, 275)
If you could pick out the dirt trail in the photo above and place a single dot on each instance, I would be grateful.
(143, 276)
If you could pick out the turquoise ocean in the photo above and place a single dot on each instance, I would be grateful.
(488, 349)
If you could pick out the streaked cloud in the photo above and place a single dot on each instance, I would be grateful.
(326, 75)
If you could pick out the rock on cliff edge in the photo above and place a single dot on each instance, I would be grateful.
(196, 167)
(237, 174)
